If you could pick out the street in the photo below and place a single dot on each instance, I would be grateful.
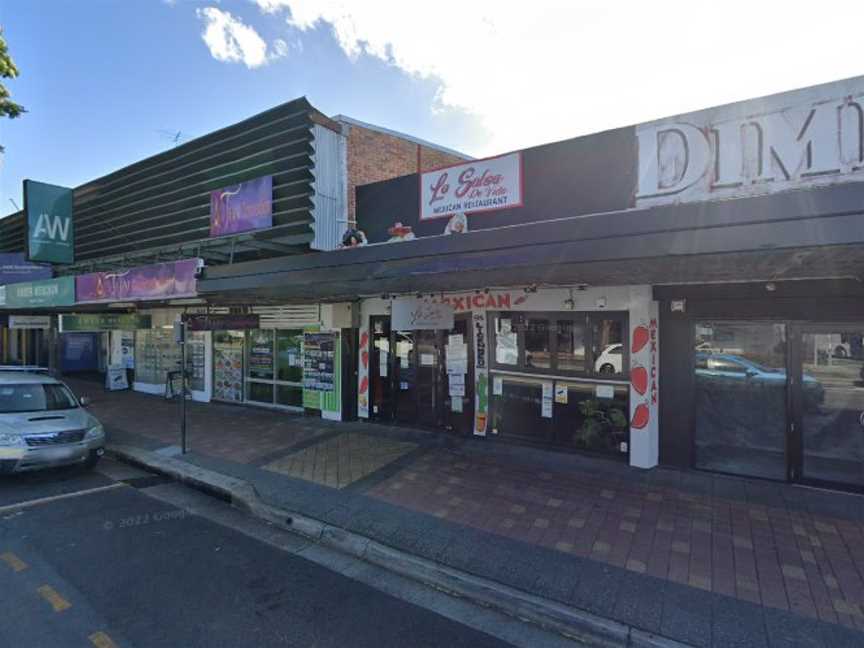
(120, 558)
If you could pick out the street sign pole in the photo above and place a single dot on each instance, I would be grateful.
(180, 336)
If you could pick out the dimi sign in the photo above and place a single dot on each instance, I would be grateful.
(813, 136)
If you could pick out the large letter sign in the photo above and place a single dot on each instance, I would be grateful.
(50, 230)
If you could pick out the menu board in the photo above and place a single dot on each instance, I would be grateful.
(318, 361)
(261, 355)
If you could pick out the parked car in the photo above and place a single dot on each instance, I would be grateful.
(725, 366)
(610, 360)
(43, 424)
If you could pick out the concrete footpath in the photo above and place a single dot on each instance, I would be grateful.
(589, 547)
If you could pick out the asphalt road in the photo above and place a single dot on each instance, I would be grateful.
(118, 564)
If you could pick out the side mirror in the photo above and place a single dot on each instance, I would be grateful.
(85, 401)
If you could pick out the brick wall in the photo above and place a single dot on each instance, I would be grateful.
(375, 156)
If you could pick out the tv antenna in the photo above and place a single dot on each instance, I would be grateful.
(175, 137)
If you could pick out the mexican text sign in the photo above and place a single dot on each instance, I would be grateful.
(411, 314)
(35, 294)
(158, 281)
(50, 229)
(242, 208)
(477, 186)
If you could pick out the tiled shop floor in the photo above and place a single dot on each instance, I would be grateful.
(773, 545)
(769, 554)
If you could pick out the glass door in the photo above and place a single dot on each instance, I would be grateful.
(829, 405)
(741, 398)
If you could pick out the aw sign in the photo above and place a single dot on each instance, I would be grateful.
(50, 230)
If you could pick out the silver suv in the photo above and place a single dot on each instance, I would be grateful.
(42, 425)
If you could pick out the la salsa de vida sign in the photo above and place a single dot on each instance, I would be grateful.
(475, 186)
(688, 160)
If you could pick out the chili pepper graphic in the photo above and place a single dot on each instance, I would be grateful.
(639, 379)
(641, 416)
(640, 339)
(364, 339)
(364, 358)
(364, 385)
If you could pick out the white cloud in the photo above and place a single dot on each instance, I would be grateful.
(552, 69)
(230, 40)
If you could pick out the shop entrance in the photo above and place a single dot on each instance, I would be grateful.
(783, 401)
(422, 377)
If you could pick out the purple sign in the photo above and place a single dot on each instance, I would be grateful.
(14, 268)
(243, 207)
(158, 281)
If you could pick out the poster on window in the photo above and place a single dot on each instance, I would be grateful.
(319, 361)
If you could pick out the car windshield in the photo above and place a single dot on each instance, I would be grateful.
(35, 397)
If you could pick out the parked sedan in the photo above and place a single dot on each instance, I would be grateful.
(725, 366)
(42, 424)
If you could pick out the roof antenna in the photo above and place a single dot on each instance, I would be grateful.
(173, 136)
(17, 208)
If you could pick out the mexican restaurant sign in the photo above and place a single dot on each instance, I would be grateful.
(242, 208)
(479, 301)
(50, 230)
(36, 294)
(411, 314)
(806, 137)
(470, 187)
(153, 282)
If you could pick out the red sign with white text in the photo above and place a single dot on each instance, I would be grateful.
(470, 187)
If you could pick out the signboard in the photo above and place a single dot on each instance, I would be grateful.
(35, 294)
(220, 322)
(14, 268)
(242, 208)
(29, 322)
(261, 355)
(153, 282)
(805, 137)
(319, 350)
(471, 187)
(115, 379)
(50, 229)
(412, 314)
(91, 322)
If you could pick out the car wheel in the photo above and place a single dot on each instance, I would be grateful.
(91, 461)
(607, 370)
(840, 352)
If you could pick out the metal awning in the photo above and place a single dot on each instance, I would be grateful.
(815, 234)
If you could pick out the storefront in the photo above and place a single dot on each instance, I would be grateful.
(546, 366)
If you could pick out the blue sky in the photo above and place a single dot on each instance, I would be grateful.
(102, 78)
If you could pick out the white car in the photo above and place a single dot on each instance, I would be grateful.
(611, 360)
(43, 424)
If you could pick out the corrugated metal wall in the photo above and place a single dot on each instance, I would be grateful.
(329, 188)
(294, 316)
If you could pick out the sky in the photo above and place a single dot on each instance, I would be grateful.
(105, 82)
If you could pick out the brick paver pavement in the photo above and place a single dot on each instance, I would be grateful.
(774, 545)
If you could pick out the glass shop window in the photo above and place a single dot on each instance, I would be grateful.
(506, 341)
(608, 347)
(570, 354)
(537, 351)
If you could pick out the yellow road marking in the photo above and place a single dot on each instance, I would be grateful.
(57, 602)
(102, 640)
(13, 561)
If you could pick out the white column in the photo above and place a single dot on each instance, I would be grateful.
(644, 379)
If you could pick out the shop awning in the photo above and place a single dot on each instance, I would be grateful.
(814, 234)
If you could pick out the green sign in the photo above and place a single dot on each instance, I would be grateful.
(36, 294)
(50, 230)
(104, 322)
